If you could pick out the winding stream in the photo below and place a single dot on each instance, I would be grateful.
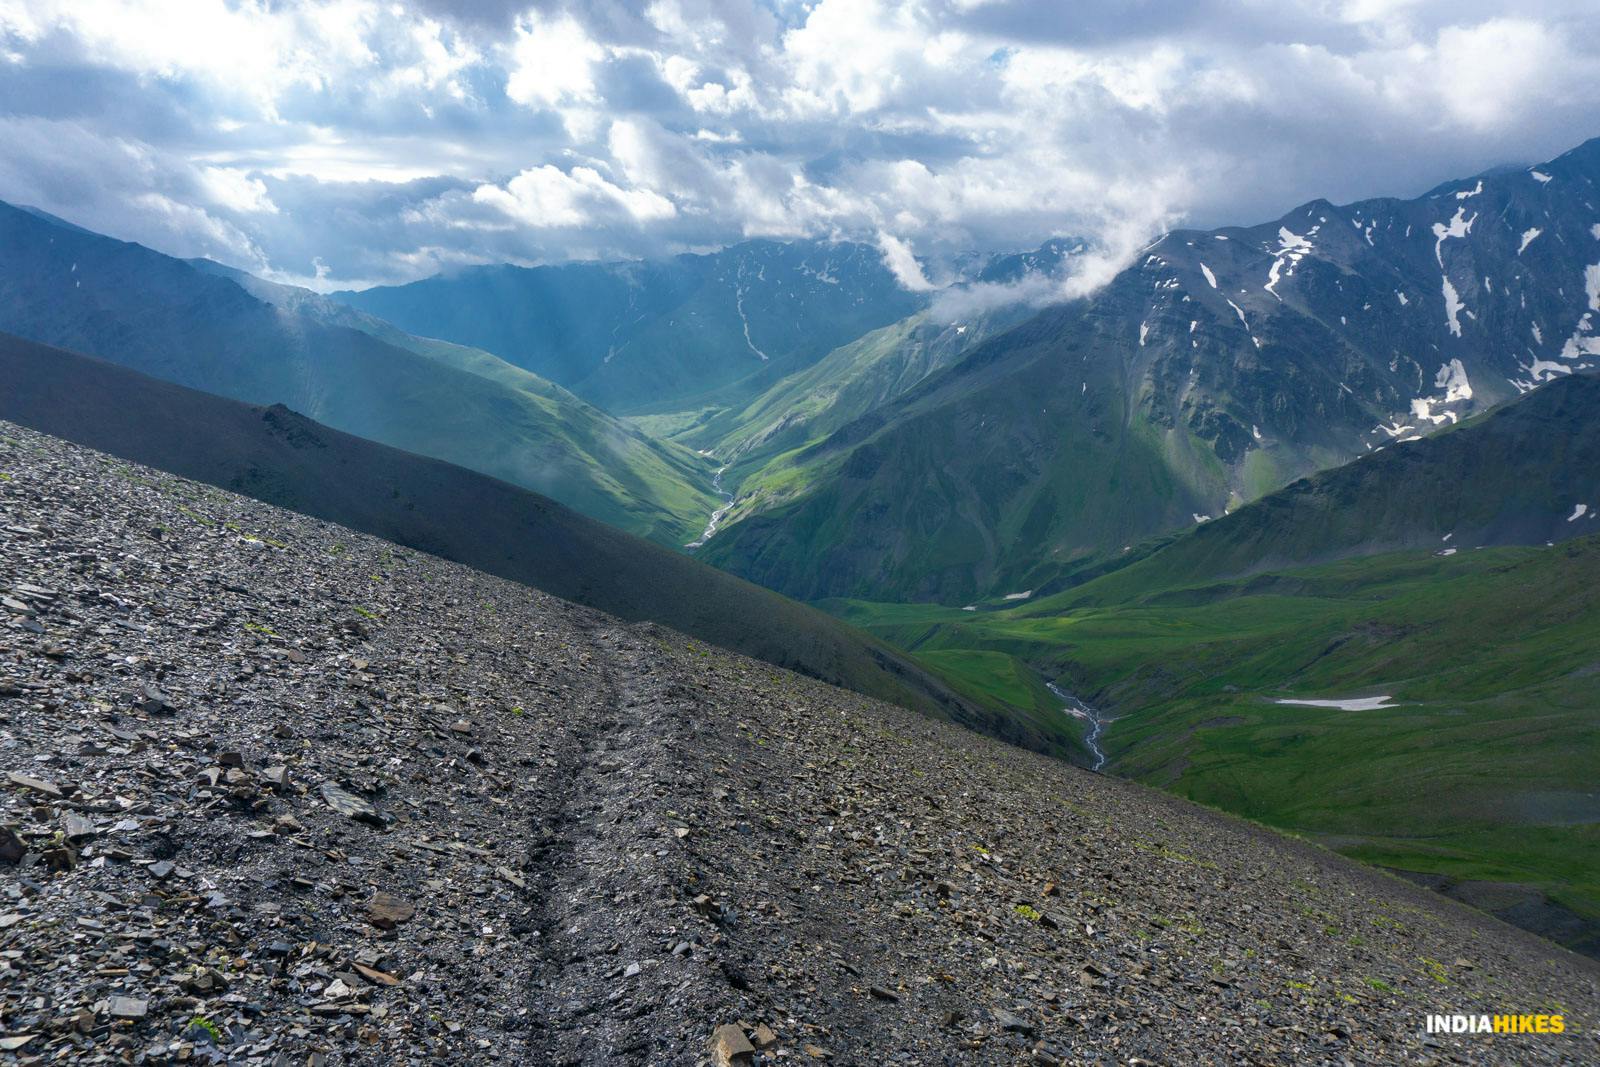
(1097, 723)
(716, 516)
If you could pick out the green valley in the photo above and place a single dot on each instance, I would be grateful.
(1481, 772)
(1458, 736)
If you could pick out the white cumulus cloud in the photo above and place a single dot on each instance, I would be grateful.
(345, 140)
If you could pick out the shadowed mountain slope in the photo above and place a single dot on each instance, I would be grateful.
(659, 334)
(217, 330)
(1525, 473)
(286, 459)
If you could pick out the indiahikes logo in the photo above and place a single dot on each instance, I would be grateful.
(1496, 1024)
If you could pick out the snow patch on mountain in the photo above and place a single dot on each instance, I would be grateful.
(1452, 378)
(1291, 248)
(1540, 370)
(1460, 226)
(1539, 177)
(1527, 239)
(1581, 344)
(1583, 341)
(1452, 307)
(1212, 278)
(1239, 311)
(1454, 389)
(738, 303)
(1466, 193)
(1578, 512)
(1422, 408)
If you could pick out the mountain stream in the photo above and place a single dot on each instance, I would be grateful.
(1097, 723)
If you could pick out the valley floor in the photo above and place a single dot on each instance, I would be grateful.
(281, 787)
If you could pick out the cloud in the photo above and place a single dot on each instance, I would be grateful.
(957, 302)
(125, 189)
(549, 197)
(245, 52)
(902, 263)
(1487, 74)
(552, 62)
(369, 140)
(236, 190)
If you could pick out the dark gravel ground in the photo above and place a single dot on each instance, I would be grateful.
(275, 792)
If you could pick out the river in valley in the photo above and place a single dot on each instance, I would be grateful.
(716, 516)
(1097, 723)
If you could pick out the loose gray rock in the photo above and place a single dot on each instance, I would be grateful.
(350, 805)
(128, 1008)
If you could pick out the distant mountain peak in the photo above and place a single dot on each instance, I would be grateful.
(1219, 365)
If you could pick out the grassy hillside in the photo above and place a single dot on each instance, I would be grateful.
(1391, 576)
(956, 488)
(1482, 773)
(767, 444)
(847, 383)
(260, 343)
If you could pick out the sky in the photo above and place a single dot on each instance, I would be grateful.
(345, 143)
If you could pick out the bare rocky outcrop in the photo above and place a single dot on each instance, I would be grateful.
(275, 792)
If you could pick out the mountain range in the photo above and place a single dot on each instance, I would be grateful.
(1219, 366)
(221, 331)
(1298, 520)
(669, 335)
(967, 445)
